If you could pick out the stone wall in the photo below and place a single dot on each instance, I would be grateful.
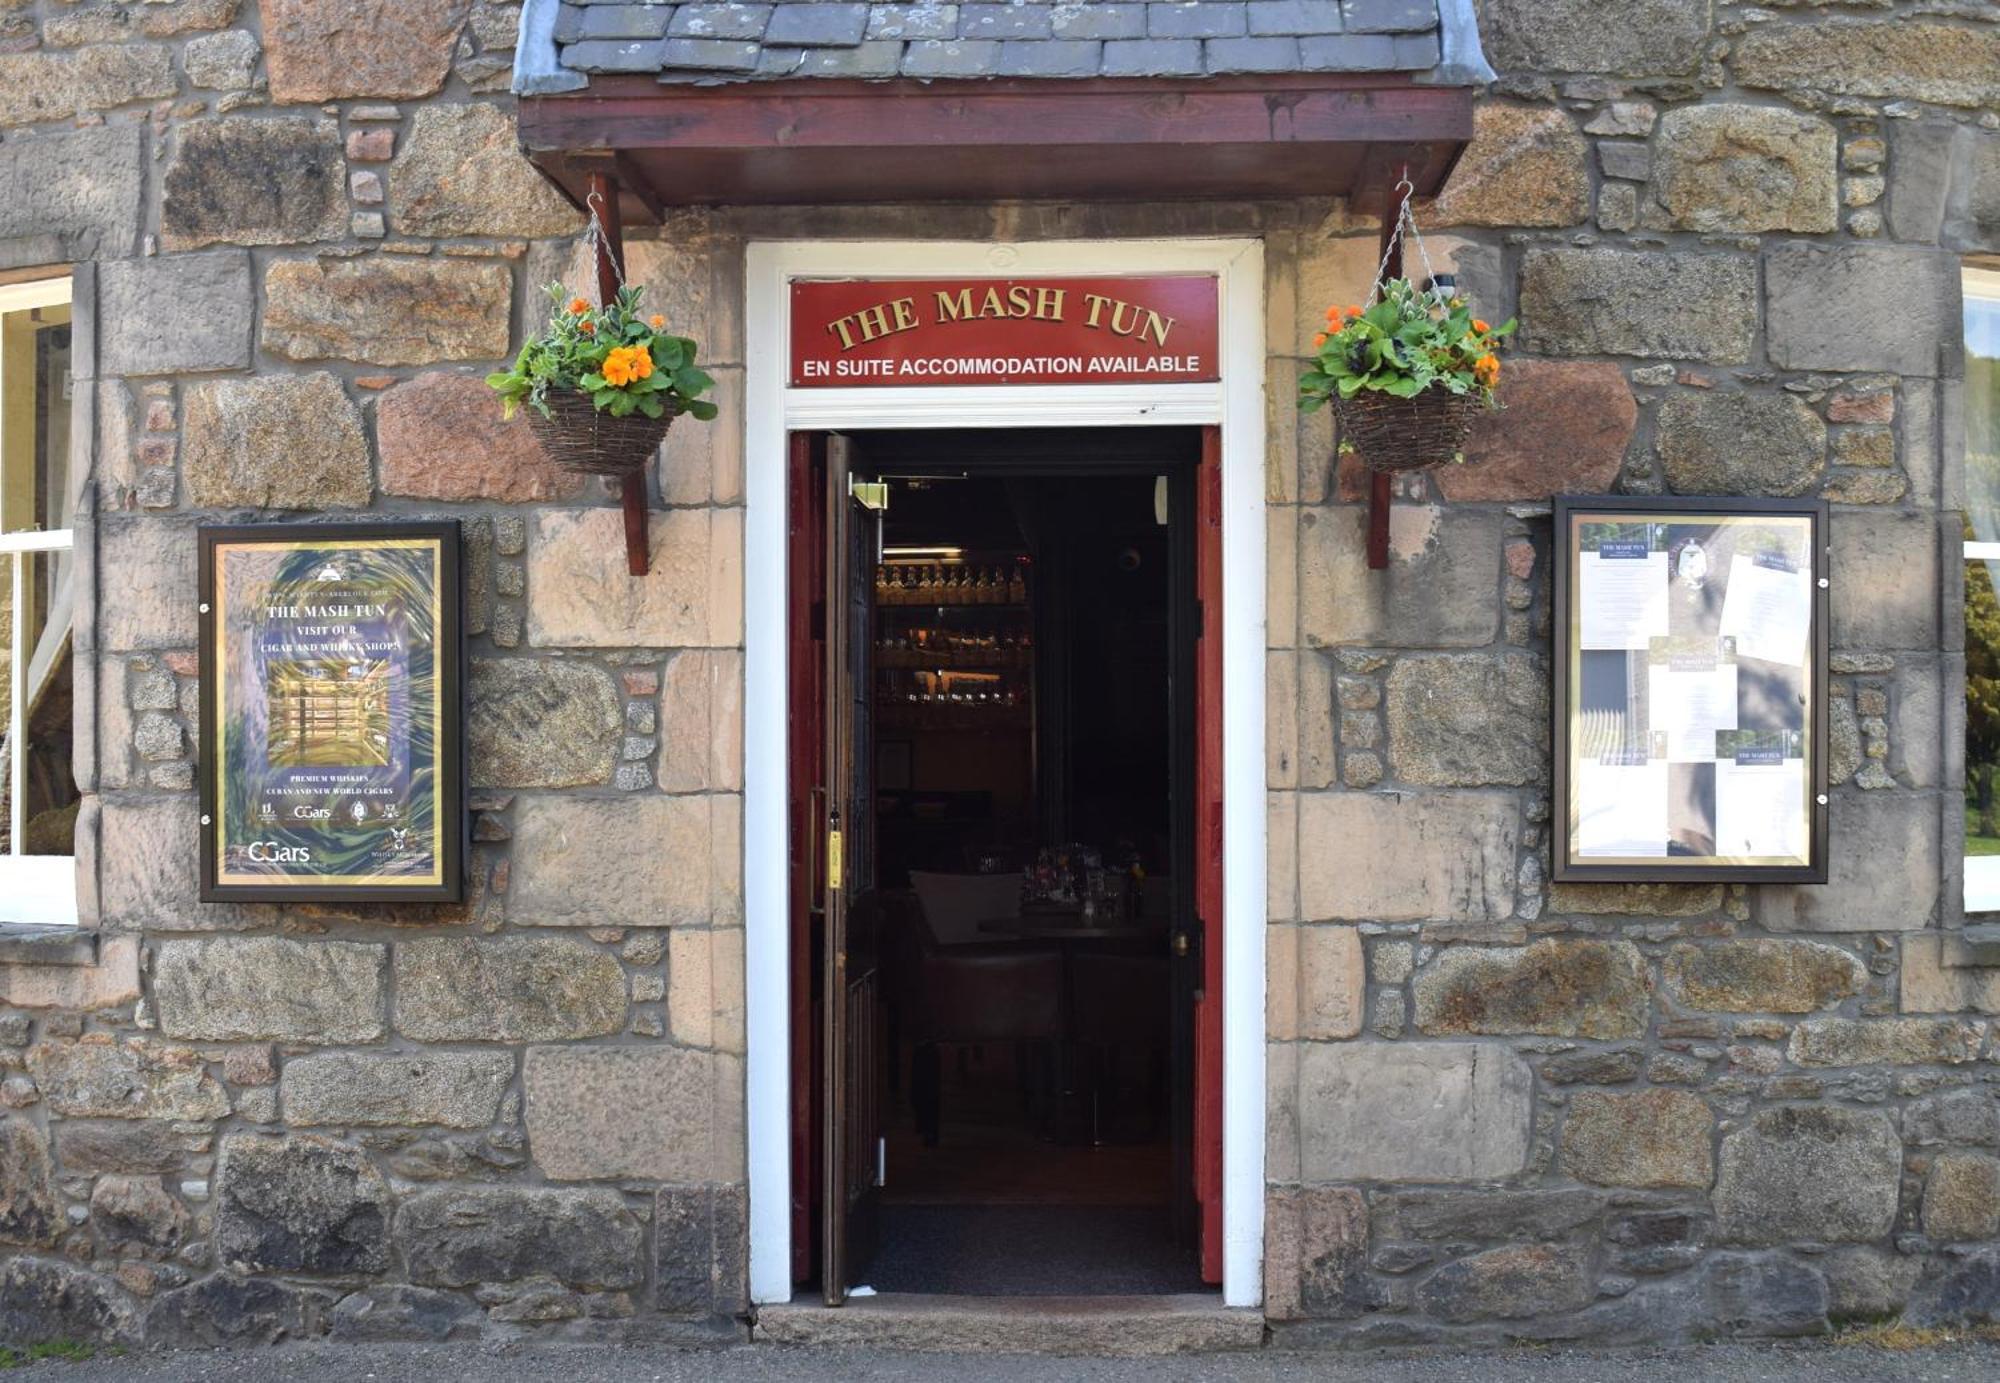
(1497, 1109)
(308, 233)
(1505, 1110)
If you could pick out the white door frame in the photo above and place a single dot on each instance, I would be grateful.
(771, 410)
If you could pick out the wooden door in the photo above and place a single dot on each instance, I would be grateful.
(805, 771)
(853, 1058)
(1208, 852)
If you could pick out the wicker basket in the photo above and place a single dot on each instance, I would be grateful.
(580, 437)
(1413, 434)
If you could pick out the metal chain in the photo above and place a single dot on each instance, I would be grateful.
(1405, 218)
(1423, 252)
(596, 242)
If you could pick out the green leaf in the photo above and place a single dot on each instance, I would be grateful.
(594, 381)
(691, 382)
(702, 409)
(651, 407)
(1351, 386)
(1403, 388)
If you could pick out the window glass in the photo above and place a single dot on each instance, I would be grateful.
(1982, 604)
(37, 501)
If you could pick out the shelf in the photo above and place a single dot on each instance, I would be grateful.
(919, 660)
(934, 607)
(967, 725)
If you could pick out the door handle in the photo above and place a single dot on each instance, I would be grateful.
(1187, 945)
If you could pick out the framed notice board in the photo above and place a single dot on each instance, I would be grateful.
(332, 759)
(1690, 690)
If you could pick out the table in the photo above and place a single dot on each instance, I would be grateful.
(1043, 929)
(1046, 928)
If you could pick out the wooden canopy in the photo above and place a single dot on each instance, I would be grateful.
(825, 141)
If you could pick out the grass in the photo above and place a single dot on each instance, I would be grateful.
(74, 1351)
(1897, 1337)
(1976, 844)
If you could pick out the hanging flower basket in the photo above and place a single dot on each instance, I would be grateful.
(1408, 370)
(602, 386)
(579, 436)
(1412, 434)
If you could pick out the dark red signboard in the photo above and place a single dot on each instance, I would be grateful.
(897, 333)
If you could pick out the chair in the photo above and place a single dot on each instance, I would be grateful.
(982, 992)
(1120, 999)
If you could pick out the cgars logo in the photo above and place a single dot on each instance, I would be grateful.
(270, 852)
(313, 813)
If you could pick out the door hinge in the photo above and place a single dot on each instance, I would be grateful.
(870, 494)
(834, 860)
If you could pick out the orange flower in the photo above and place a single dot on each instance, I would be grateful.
(1486, 370)
(587, 327)
(1480, 326)
(627, 363)
(1354, 312)
(656, 322)
(1320, 340)
(1333, 315)
(578, 307)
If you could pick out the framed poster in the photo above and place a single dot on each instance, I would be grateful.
(1690, 690)
(332, 761)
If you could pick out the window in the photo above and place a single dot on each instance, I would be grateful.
(1982, 590)
(37, 500)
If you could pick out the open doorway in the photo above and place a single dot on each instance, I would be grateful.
(998, 909)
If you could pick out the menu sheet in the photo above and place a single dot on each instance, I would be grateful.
(1689, 687)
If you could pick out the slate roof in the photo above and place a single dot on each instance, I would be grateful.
(564, 43)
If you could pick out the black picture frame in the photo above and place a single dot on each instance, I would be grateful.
(449, 778)
(1566, 866)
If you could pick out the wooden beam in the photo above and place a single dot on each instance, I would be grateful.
(610, 257)
(804, 141)
(829, 115)
(1390, 256)
(634, 177)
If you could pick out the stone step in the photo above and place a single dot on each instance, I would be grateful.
(1108, 1325)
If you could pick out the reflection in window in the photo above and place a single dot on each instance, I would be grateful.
(37, 501)
(1982, 605)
